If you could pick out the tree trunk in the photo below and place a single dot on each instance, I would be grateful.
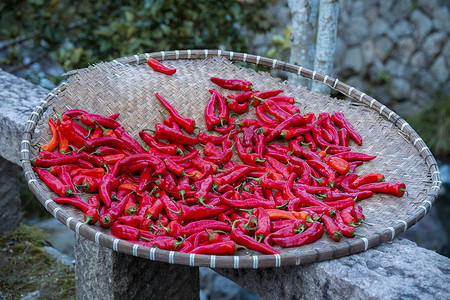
(304, 13)
(326, 42)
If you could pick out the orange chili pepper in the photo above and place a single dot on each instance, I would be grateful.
(280, 214)
(302, 215)
(63, 143)
(53, 143)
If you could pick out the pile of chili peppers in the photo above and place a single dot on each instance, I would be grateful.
(293, 178)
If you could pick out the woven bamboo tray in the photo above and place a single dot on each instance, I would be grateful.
(127, 85)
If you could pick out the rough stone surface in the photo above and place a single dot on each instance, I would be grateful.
(440, 69)
(353, 61)
(389, 271)
(18, 98)
(433, 43)
(101, 273)
(383, 47)
(422, 24)
(399, 89)
(414, 34)
(10, 205)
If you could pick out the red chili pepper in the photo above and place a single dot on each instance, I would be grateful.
(277, 166)
(95, 119)
(223, 107)
(248, 203)
(358, 214)
(186, 123)
(90, 213)
(196, 226)
(155, 209)
(273, 109)
(353, 156)
(130, 208)
(289, 229)
(67, 130)
(113, 213)
(211, 119)
(330, 129)
(346, 215)
(249, 122)
(237, 107)
(342, 204)
(331, 227)
(122, 134)
(232, 84)
(165, 132)
(199, 212)
(294, 120)
(311, 234)
(358, 195)
(345, 183)
(250, 243)
(251, 159)
(221, 248)
(339, 119)
(393, 188)
(367, 178)
(216, 140)
(159, 67)
(172, 149)
(344, 137)
(87, 183)
(201, 195)
(323, 169)
(73, 113)
(226, 130)
(263, 227)
(282, 98)
(54, 183)
(256, 97)
(240, 98)
(339, 165)
(232, 177)
(347, 231)
(262, 115)
(309, 199)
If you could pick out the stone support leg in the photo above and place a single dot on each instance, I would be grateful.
(101, 273)
(10, 204)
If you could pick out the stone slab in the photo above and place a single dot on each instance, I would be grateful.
(393, 270)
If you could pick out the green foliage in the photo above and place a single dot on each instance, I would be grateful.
(26, 267)
(436, 134)
(281, 45)
(83, 32)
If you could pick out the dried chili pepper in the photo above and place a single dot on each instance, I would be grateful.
(338, 164)
(331, 227)
(367, 178)
(164, 132)
(273, 109)
(250, 243)
(311, 234)
(232, 84)
(393, 188)
(159, 67)
(339, 119)
(186, 123)
(53, 143)
(90, 213)
(96, 119)
(54, 183)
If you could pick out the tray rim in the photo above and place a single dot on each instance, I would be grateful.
(344, 248)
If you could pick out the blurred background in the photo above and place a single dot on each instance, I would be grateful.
(396, 51)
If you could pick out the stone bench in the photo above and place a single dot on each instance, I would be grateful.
(394, 270)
